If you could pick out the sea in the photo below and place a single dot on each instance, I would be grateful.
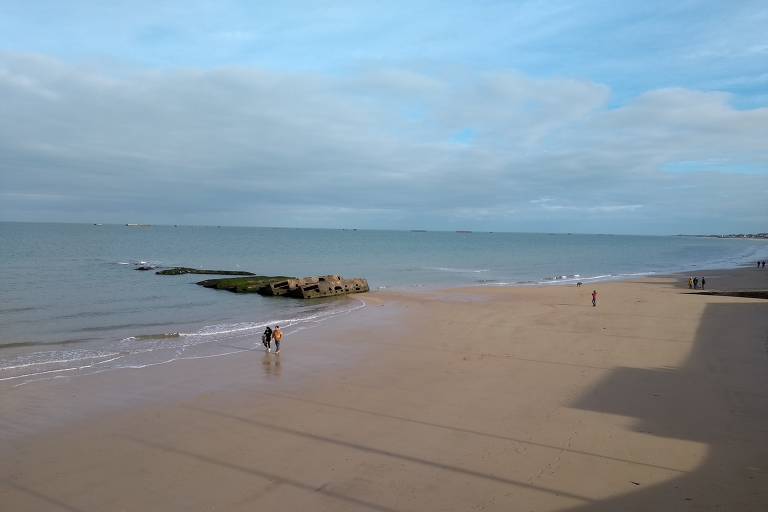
(73, 303)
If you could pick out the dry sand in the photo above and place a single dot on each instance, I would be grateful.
(472, 399)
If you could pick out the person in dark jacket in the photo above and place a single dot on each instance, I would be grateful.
(266, 338)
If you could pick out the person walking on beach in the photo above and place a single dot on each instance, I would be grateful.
(266, 338)
(690, 282)
(594, 298)
(277, 335)
(695, 283)
(703, 282)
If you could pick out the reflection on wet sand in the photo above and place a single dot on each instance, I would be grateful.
(271, 365)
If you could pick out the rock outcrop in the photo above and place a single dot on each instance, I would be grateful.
(175, 271)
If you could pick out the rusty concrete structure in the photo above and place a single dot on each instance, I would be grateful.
(328, 286)
(282, 287)
(315, 287)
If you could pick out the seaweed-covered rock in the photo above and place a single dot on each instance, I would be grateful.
(251, 284)
(175, 271)
(305, 288)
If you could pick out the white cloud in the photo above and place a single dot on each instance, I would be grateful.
(371, 148)
(594, 208)
(25, 84)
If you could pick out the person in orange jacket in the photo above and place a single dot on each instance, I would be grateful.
(277, 335)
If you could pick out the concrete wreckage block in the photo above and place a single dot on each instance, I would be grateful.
(286, 287)
(315, 287)
(281, 286)
(329, 286)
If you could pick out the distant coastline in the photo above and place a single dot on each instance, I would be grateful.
(762, 236)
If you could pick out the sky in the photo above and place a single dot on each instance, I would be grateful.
(553, 116)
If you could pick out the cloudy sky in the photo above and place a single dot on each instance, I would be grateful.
(555, 116)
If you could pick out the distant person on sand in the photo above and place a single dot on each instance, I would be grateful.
(703, 282)
(277, 335)
(266, 338)
(690, 282)
(594, 298)
(695, 283)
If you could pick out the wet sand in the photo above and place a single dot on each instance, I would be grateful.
(472, 399)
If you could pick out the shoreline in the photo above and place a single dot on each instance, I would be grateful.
(736, 278)
(16, 380)
(570, 280)
(485, 396)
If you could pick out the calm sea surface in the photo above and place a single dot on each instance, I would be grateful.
(71, 301)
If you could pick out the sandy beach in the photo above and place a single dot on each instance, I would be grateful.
(468, 399)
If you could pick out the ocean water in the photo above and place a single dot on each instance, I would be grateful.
(71, 301)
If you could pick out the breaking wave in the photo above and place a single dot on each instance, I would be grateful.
(459, 270)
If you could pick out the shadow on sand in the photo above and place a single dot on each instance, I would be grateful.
(719, 397)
